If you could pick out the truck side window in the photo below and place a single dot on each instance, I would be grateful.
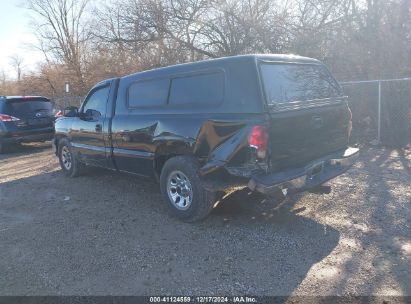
(97, 101)
(148, 93)
(203, 89)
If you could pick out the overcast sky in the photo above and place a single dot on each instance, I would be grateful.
(15, 34)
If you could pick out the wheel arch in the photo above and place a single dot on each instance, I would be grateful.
(167, 150)
(57, 139)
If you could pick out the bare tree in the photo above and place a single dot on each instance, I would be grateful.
(357, 38)
(62, 33)
(188, 30)
(16, 62)
(3, 80)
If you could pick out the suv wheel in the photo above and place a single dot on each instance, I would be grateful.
(183, 190)
(68, 162)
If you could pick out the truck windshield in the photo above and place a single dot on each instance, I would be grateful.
(284, 82)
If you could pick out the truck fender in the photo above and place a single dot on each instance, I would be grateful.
(220, 141)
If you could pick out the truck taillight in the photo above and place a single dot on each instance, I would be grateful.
(59, 114)
(349, 123)
(5, 117)
(258, 139)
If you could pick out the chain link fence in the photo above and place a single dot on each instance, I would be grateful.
(381, 111)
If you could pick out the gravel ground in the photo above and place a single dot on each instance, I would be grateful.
(109, 234)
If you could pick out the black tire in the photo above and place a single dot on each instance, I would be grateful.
(64, 151)
(201, 202)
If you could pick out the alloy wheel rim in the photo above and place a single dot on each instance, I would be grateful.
(66, 158)
(179, 190)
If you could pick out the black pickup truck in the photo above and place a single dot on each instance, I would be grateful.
(273, 123)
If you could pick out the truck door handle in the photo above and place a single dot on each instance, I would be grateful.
(125, 136)
(99, 128)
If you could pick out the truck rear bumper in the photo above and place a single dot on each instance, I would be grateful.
(311, 176)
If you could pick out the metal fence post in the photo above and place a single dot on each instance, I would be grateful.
(378, 139)
(379, 113)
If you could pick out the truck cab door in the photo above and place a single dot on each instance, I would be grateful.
(90, 129)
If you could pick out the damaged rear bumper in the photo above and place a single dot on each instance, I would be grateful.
(311, 176)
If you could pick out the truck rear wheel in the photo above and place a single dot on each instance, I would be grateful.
(183, 190)
(68, 162)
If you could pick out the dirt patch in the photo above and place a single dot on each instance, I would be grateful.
(107, 233)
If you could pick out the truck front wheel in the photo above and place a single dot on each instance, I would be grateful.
(183, 191)
(68, 162)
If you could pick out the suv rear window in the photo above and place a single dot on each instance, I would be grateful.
(284, 83)
(28, 108)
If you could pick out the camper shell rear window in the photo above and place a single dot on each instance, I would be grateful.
(296, 82)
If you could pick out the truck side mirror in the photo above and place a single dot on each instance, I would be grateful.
(71, 111)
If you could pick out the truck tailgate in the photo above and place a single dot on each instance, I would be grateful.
(300, 136)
